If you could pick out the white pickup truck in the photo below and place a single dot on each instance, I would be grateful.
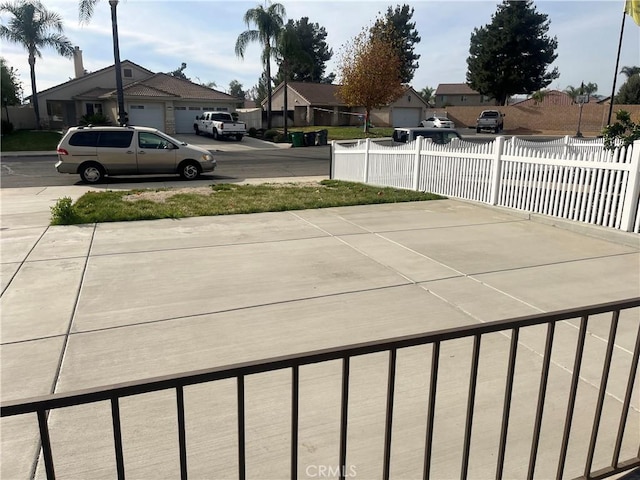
(219, 125)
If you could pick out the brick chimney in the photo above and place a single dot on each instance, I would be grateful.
(77, 62)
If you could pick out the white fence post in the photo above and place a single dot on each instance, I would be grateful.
(496, 167)
(631, 198)
(416, 164)
(565, 146)
(367, 145)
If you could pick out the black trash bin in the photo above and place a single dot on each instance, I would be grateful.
(321, 138)
(309, 139)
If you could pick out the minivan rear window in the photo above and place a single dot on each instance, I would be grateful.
(115, 139)
(84, 139)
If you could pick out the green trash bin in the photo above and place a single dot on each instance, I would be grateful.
(297, 139)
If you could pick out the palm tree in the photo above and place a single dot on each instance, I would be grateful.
(34, 27)
(269, 23)
(85, 14)
(630, 71)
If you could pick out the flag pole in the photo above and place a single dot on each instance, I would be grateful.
(615, 74)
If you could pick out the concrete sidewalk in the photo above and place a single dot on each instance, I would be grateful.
(84, 306)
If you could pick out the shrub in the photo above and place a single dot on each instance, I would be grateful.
(63, 212)
(270, 135)
(623, 132)
(7, 127)
(95, 119)
(253, 132)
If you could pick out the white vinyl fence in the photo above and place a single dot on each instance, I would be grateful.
(575, 180)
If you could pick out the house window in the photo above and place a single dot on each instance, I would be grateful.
(137, 107)
(221, 109)
(463, 98)
(94, 108)
(127, 73)
(194, 108)
(180, 108)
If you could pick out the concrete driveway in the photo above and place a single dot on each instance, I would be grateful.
(84, 306)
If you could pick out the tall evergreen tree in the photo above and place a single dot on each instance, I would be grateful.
(10, 83)
(397, 28)
(34, 27)
(511, 55)
(311, 66)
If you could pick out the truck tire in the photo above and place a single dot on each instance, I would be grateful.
(239, 137)
(196, 129)
(477, 129)
(496, 129)
(214, 134)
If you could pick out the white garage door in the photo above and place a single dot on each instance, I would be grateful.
(147, 115)
(407, 117)
(186, 114)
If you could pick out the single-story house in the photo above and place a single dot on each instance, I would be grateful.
(319, 104)
(459, 95)
(151, 99)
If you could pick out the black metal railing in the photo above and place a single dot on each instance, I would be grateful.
(113, 393)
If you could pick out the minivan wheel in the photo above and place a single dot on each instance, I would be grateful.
(91, 173)
(189, 171)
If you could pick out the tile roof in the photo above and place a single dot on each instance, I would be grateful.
(455, 89)
(177, 87)
(318, 93)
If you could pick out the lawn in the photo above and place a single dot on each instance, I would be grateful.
(30, 141)
(347, 133)
(223, 199)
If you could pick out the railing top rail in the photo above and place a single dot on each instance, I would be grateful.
(103, 393)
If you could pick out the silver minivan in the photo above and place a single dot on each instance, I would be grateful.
(95, 152)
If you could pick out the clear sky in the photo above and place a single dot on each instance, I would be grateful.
(160, 35)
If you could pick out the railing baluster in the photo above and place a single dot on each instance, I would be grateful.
(295, 391)
(117, 437)
(577, 364)
(603, 387)
(544, 376)
(433, 383)
(344, 416)
(182, 436)
(506, 409)
(473, 381)
(242, 474)
(391, 381)
(627, 401)
(46, 444)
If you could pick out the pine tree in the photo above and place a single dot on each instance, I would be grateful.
(511, 55)
(397, 28)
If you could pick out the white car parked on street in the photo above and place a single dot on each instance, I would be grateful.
(437, 121)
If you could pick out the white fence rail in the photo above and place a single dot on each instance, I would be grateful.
(565, 178)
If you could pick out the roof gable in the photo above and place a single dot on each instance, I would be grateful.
(90, 78)
(455, 89)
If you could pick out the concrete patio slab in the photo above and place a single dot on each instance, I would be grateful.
(128, 301)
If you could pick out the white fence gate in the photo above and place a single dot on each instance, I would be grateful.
(575, 180)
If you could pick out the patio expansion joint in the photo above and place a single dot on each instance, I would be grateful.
(67, 334)
(24, 260)
(237, 309)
